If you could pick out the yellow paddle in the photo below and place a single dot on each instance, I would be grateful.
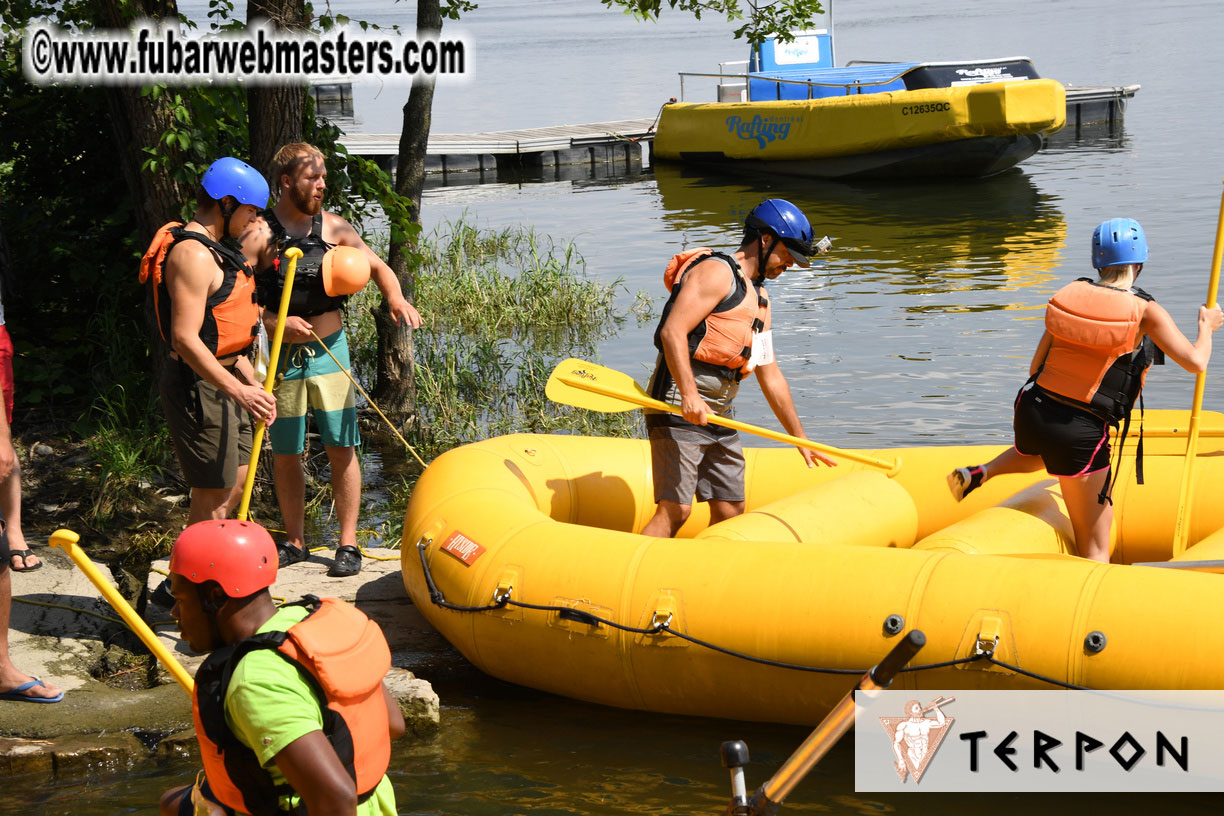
(1181, 533)
(293, 253)
(596, 388)
(67, 541)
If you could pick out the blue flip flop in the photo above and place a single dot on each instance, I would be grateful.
(15, 693)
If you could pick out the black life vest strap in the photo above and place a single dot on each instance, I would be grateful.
(224, 662)
(224, 252)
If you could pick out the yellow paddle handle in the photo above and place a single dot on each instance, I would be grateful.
(1181, 533)
(67, 540)
(244, 508)
(890, 468)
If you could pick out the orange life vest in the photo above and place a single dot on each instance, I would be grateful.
(231, 315)
(724, 337)
(1095, 358)
(343, 655)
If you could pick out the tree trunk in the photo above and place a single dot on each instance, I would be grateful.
(275, 114)
(395, 386)
(138, 122)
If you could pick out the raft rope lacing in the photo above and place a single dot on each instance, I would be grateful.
(502, 600)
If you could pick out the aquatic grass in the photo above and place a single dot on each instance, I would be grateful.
(129, 447)
(500, 308)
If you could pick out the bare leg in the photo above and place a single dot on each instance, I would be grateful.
(1090, 519)
(346, 491)
(1012, 461)
(10, 677)
(964, 480)
(10, 508)
(723, 510)
(668, 518)
(234, 499)
(208, 503)
(291, 495)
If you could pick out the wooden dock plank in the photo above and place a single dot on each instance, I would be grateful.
(528, 140)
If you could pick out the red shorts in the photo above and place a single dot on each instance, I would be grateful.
(6, 371)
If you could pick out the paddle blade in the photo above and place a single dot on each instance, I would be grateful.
(586, 385)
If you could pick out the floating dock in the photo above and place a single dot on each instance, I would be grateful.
(603, 149)
(617, 144)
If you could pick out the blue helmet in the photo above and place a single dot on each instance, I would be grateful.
(786, 221)
(1118, 241)
(233, 177)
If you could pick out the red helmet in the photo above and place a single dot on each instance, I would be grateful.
(238, 555)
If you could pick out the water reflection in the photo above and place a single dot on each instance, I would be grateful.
(948, 241)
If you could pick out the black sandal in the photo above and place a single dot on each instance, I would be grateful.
(348, 562)
(287, 554)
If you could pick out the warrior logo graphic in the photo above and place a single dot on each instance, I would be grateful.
(916, 737)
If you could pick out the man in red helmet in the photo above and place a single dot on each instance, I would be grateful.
(290, 708)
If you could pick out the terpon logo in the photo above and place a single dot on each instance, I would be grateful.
(1040, 741)
(916, 737)
(463, 548)
(760, 129)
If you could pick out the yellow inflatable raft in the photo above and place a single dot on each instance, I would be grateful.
(522, 551)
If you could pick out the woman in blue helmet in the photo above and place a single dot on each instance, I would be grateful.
(714, 331)
(1100, 338)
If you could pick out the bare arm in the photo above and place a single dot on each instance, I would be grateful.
(1193, 357)
(311, 768)
(190, 272)
(778, 394)
(384, 278)
(705, 285)
(395, 717)
(8, 454)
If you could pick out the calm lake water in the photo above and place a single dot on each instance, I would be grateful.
(916, 329)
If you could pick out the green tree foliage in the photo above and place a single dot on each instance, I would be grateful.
(780, 18)
(76, 309)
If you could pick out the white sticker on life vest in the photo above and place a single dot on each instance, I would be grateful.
(762, 349)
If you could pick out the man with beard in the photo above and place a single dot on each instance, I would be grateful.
(312, 379)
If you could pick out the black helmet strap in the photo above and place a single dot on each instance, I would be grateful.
(762, 254)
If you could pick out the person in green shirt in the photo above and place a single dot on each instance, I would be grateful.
(290, 708)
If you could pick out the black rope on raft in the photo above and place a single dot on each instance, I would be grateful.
(503, 600)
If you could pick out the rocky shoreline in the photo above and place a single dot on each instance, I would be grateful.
(120, 709)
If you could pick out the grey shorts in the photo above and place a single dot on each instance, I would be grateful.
(212, 435)
(689, 462)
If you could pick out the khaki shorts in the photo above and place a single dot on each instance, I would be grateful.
(212, 435)
(691, 462)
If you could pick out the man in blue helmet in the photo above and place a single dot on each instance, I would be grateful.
(714, 331)
(204, 292)
(1100, 338)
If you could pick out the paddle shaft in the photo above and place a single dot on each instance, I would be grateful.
(67, 540)
(293, 253)
(770, 796)
(647, 402)
(1181, 533)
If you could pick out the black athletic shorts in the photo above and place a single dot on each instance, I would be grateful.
(1071, 441)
